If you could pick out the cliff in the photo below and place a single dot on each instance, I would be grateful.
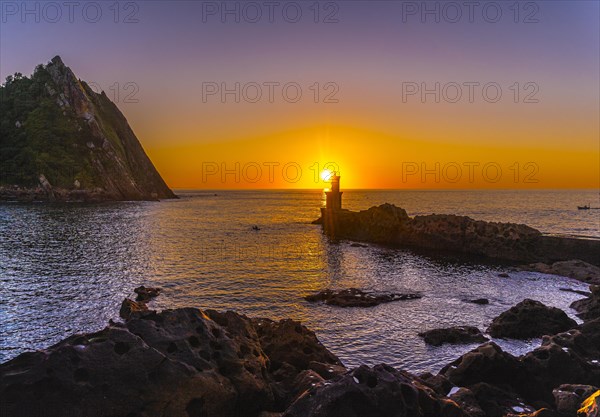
(388, 224)
(59, 140)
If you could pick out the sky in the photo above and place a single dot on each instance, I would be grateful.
(390, 94)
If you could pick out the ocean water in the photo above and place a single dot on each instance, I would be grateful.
(65, 268)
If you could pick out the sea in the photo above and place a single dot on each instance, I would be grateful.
(65, 268)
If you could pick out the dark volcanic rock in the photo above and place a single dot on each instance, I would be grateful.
(480, 301)
(529, 319)
(354, 297)
(381, 391)
(391, 225)
(111, 372)
(589, 308)
(292, 348)
(497, 402)
(568, 397)
(184, 362)
(487, 363)
(129, 308)
(145, 294)
(465, 398)
(455, 335)
(571, 357)
(576, 269)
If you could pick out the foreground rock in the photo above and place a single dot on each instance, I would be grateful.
(381, 391)
(354, 297)
(184, 362)
(571, 357)
(145, 294)
(589, 308)
(529, 319)
(391, 225)
(189, 362)
(453, 335)
(576, 269)
(569, 397)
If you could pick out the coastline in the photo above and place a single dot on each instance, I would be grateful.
(191, 362)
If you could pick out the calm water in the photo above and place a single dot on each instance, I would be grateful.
(66, 268)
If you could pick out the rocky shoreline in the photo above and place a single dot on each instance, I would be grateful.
(189, 362)
(518, 243)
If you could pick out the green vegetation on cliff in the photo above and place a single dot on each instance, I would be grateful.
(53, 125)
(36, 136)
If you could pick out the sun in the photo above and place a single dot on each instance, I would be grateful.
(326, 174)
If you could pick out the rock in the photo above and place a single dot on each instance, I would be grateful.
(380, 391)
(454, 335)
(391, 225)
(589, 308)
(129, 308)
(467, 401)
(487, 363)
(530, 319)
(481, 301)
(591, 406)
(580, 292)
(354, 297)
(181, 363)
(504, 275)
(47, 187)
(497, 402)
(576, 269)
(439, 383)
(327, 370)
(146, 293)
(568, 397)
(291, 349)
(111, 372)
(571, 357)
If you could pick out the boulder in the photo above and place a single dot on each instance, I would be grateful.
(354, 297)
(145, 294)
(499, 402)
(111, 372)
(571, 357)
(487, 363)
(453, 335)
(576, 269)
(381, 391)
(569, 397)
(130, 308)
(291, 349)
(467, 401)
(183, 362)
(589, 308)
(480, 301)
(530, 319)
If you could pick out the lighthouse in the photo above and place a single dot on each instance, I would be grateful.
(334, 197)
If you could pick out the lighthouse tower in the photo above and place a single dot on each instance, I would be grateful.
(334, 197)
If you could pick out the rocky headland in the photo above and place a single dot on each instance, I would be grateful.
(62, 141)
(189, 362)
(391, 225)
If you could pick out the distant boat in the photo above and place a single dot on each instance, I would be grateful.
(583, 207)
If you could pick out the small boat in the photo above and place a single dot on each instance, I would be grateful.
(583, 207)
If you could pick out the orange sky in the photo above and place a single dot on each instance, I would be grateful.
(542, 132)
